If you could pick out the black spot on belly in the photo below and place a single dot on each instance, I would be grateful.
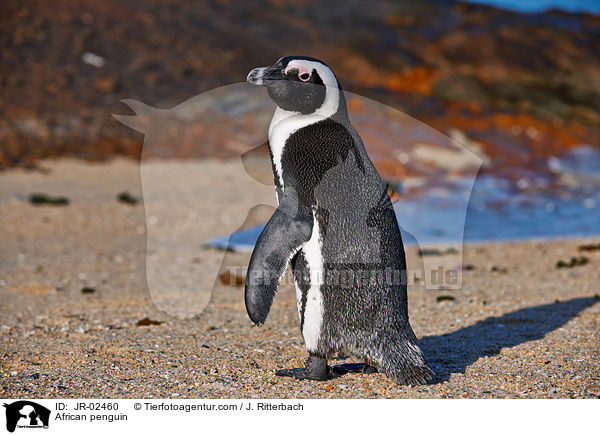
(302, 277)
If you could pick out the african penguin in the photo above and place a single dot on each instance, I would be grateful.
(336, 227)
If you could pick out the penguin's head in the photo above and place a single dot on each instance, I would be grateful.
(299, 84)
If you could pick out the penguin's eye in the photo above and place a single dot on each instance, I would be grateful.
(304, 76)
(295, 73)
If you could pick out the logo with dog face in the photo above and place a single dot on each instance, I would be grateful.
(26, 414)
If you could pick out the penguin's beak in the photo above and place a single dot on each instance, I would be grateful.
(265, 76)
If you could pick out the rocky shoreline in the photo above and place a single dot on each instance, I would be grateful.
(523, 86)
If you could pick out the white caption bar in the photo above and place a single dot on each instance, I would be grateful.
(157, 416)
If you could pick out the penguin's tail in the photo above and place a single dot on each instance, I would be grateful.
(399, 357)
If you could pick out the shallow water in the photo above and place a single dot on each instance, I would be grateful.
(495, 208)
(543, 5)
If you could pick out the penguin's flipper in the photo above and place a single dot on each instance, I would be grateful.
(285, 233)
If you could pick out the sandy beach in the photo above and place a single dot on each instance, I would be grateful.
(74, 298)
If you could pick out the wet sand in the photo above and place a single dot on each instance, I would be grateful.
(518, 328)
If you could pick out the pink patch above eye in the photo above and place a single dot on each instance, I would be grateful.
(303, 73)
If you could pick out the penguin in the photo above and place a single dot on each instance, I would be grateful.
(336, 228)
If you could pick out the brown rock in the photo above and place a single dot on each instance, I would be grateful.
(148, 322)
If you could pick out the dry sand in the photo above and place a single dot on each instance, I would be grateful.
(518, 328)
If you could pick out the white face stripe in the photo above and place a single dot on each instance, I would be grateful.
(301, 69)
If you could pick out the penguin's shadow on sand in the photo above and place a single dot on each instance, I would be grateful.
(455, 351)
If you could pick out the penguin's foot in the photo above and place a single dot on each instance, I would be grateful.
(365, 368)
(316, 369)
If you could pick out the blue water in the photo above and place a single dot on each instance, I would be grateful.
(435, 221)
(494, 209)
(592, 6)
